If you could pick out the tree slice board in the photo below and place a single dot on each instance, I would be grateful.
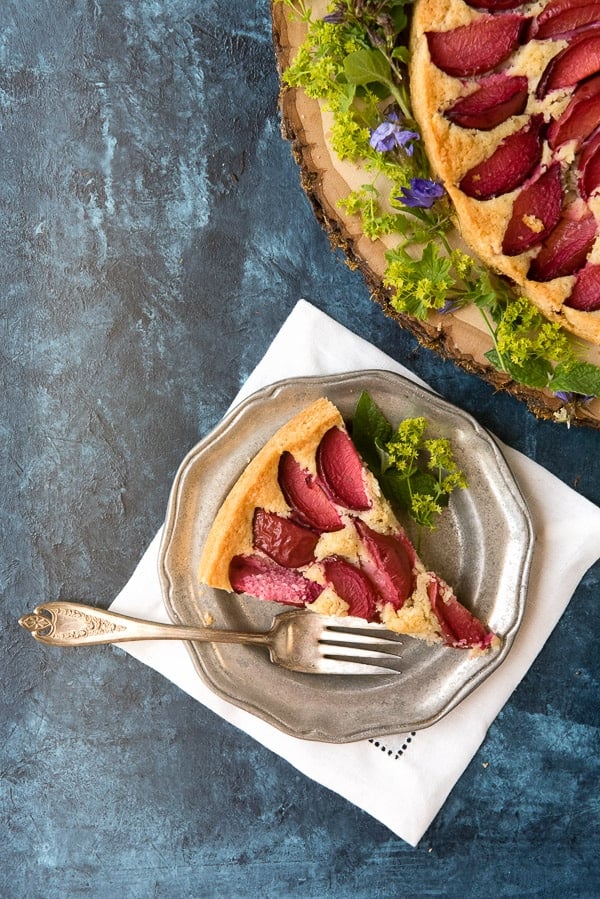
(460, 336)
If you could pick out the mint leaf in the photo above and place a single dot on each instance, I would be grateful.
(493, 356)
(370, 430)
(395, 488)
(576, 377)
(400, 20)
(534, 373)
(367, 66)
(399, 489)
(346, 97)
(401, 53)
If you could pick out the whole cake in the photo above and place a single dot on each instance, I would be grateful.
(306, 524)
(507, 97)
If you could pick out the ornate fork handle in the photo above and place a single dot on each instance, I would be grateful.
(75, 624)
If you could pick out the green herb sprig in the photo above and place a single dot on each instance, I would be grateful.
(415, 472)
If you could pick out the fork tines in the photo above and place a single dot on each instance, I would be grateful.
(370, 646)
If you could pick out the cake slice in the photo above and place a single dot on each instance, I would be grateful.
(306, 524)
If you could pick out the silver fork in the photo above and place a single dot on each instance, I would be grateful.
(299, 640)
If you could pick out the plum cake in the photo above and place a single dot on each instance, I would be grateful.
(507, 96)
(306, 524)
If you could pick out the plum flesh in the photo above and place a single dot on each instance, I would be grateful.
(285, 541)
(340, 468)
(391, 564)
(513, 160)
(459, 627)
(497, 98)
(306, 497)
(265, 579)
(566, 249)
(579, 60)
(352, 585)
(535, 212)
(585, 295)
(556, 8)
(495, 5)
(581, 117)
(589, 167)
(477, 47)
(568, 22)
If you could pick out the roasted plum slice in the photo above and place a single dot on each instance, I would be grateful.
(340, 468)
(285, 541)
(390, 564)
(513, 160)
(496, 98)
(535, 212)
(556, 7)
(352, 585)
(459, 627)
(477, 47)
(567, 22)
(265, 579)
(585, 295)
(306, 497)
(581, 117)
(566, 248)
(579, 60)
(495, 5)
(589, 167)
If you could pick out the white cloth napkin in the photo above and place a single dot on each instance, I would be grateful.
(400, 780)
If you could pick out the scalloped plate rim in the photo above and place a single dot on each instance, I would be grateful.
(180, 602)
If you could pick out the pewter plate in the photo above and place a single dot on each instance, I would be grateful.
(482, 547)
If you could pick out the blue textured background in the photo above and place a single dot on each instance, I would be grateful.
(154, 237)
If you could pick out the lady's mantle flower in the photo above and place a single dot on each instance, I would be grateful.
(422, 192)
(389, 135)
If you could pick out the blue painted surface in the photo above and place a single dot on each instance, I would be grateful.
(154, 238)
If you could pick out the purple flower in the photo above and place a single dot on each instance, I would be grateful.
(390, 134)
(449, 306)
(567, 396)
(422, 192)
(337, 17)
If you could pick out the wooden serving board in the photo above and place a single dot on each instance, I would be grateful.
(461, 335)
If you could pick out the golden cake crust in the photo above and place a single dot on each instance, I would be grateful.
(231, 531)
(453, 150)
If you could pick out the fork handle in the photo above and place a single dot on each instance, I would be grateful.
(75, 624)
